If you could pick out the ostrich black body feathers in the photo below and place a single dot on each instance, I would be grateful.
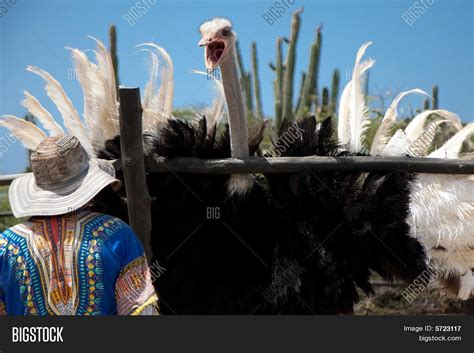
(293, 244)
(340, 227)
(216, 247)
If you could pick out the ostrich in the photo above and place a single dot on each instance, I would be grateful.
(441, 213)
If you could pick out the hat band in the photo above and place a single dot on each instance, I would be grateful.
(64, 182)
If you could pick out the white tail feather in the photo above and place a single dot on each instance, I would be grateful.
(396, 146)
(150, 87)
(214, 113)
(83, 66)
(72, 121)
(358, 114)
(101, 111)
(160, 102)
(29, 134)
(36, 109)
(416, 127)
(343, 126)
(151, 115)
(106, 67)
(381, 136)
(453, 146)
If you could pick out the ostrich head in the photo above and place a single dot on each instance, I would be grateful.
(219, 40)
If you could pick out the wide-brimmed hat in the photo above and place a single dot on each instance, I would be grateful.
(64, 179)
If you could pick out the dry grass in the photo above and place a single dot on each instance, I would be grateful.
(5, 222)
(389, 301)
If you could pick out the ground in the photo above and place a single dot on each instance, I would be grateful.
(389, 301)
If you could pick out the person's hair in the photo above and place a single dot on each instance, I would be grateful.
(108, 201)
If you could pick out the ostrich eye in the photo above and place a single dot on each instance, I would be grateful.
(226, 32)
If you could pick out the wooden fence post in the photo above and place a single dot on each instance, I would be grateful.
(133, 165)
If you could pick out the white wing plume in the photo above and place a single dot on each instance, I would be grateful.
(29, 134)
(36, 109)
(453, 146)
(358, 115)
(416, 127)
(97, 81)
(381, 136)
(158, 102)
(71, 118)
(214, 113)
(343, 125)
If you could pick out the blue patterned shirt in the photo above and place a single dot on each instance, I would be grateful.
(81, 263)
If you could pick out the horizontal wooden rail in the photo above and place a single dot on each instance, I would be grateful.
(296, 165)
(301, 164)
(7, 179)
(6, 214)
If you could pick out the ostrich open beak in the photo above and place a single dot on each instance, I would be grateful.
(215, 50)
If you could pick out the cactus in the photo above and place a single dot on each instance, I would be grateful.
(311, 82)
(313, 85)
(290, 66)
(113, 55)
(435, 93)
(426, 104)
(299, 104)
(305, 101)
(334, 91)
(278, 83)
(324, 111)
(244, 82)
(256, 83)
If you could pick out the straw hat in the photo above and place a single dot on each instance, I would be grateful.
(64, 179)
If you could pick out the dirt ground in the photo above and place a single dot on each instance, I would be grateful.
(389, 301)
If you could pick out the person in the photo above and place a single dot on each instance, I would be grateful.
(65, 259)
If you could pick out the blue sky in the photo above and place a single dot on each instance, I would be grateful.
(436, 49)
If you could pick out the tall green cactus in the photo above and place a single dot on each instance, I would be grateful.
(435, 93)
(334, 91)
(310, 84)
(313, 84)
(301, 93)
(426, 104)
(244, 81)
(256, 83)
(113, 54)
(324, 110)
(290, 66)
(278, 83)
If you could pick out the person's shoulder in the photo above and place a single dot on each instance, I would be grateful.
(12, 236)
(16, 230)
(105, 224)
(116, 235)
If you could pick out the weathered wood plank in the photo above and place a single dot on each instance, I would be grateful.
(301, 164)
(133, 165)
(295, 165)
(7, 179)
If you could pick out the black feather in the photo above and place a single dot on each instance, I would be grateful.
(294, 244)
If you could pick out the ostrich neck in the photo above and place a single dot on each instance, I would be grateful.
(235, 107)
